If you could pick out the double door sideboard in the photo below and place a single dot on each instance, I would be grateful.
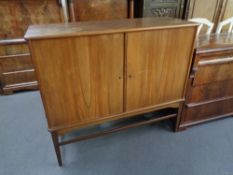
(94, 72)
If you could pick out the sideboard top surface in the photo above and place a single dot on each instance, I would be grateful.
(214, 43)
(102, 27)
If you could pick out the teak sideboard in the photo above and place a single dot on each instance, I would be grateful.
(94, 72)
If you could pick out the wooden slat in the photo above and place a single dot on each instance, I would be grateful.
(102, 133)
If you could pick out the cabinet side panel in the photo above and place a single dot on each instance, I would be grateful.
(228, 13)
(79, 77)
(158, 64)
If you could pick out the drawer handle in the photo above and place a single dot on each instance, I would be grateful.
(215, 61)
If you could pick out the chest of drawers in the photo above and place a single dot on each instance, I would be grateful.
(210, 89)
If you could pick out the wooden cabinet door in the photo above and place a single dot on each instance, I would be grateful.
(80, 78)
(157, 66)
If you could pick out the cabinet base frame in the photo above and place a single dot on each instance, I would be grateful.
(57, 144)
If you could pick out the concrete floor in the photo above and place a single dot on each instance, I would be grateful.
(26, 147)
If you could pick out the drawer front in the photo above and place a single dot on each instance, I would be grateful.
(210, 91)
(207, 111)
(15, 62)
(213, 70)
(18, 77)
(13, 49)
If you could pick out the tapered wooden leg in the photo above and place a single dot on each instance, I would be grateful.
(57, 147)
(177, 123)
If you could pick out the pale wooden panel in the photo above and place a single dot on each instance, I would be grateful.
(203, 9)
(228, 9)
(80, 78)
(158, 63)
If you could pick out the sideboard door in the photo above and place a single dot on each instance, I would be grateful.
(80, 78)
(157, 66)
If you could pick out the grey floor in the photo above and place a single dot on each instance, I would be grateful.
(26, 148)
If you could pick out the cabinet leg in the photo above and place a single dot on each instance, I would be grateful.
(178, 119)
(57, 147)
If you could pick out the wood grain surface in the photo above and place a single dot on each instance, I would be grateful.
(103, 27)
(17, 15)
(157, 66)
(93, 10)
(110, 70)
(81, 79)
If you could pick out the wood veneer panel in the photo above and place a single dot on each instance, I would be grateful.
(207, 111)
(17, 15)
(13, 49)
(210, 91)
(92, 10)
(227, 11)
(157, 66)
(15, 62)
(81, 80)
(17, 77)
(213, 73)
(200, 8)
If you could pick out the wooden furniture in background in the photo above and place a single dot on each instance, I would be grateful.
(160, 8)
(210, 94)
(92, 10)
(94, 72)
(203, 9)
(16, 69)
(226, 11)
(213, 10)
